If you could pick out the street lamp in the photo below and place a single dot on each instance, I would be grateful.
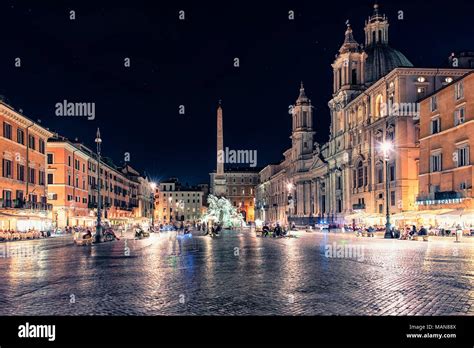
(386, 148)
(153, 188)
(170, 200)
(98, 234)
(290, 187)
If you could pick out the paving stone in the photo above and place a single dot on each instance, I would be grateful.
(168, 274)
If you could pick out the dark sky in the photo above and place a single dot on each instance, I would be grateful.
(190, 63)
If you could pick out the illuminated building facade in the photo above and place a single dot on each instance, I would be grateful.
(23, 189)
(446, 148)
(375, 99)
(175, 202)
(72, 187)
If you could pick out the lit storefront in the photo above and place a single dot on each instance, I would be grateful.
(22, 223)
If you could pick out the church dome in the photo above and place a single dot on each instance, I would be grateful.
(381, 59)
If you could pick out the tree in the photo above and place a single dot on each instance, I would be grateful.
(222, 211)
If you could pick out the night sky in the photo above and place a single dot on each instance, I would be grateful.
(190, 63)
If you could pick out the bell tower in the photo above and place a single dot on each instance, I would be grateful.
(349, 78)
(348, 67)
(302, 133)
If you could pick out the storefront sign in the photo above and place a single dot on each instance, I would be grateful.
(440, 201)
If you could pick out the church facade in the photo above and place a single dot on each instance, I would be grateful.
(375, 98)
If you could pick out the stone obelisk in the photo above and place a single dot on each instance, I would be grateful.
(219, 179)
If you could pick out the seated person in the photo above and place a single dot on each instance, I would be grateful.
(265, 230)
(87, 235)
(422, 231)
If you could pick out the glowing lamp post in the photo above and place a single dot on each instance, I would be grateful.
(386, 148)
(290, 188)
(153, 188)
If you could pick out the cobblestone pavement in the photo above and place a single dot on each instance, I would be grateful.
(238, 273)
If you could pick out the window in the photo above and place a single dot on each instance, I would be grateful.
(392, 198)
(435, 162)
(50, 158)
(379, 174)
(20, 136)
(42, 147)
(69, 162)
(50, 179)
(41, 178)
(7, 130)
(69, 197)
(365, 176)
(20, 172)
(380, 208)
(421, 91)
(339, 183)
(32, 176)
(434, 103)
(459, 90)
(463, 156)
(69, 180)
(379, 107)
(360, 175)
(435, 125)
(392, 172)
(7, 199)
(32, 142)
(459, 116)
(7, 168)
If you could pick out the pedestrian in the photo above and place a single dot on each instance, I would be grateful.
(265, 230)
(277, 231)
(422, 231)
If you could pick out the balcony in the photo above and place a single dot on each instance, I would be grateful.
(359, 206)
(20, 204)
